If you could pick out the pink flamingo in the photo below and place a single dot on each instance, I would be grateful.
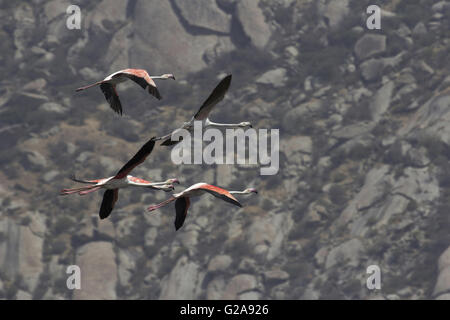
(121, 180)
(182, 199)
(140, 76)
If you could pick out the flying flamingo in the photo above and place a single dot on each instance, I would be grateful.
(121, 180)
(202, 114)
(140, 76)
(182, 199)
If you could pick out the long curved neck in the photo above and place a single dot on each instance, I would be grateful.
(209, 123)
(158, 77)
(239, 192)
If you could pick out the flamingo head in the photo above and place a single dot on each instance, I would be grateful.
(168, 76)
(251, 190)
(172, 181)
(245, 124)
(167, 187)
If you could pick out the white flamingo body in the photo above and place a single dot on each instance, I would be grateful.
(202, 114)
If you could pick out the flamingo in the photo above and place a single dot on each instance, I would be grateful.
(140, 76)
(121, 180)
(182, 199)
(202, 114)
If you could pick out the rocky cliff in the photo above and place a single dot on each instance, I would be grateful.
(364, 149)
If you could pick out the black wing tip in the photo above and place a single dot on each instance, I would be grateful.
(177, 226)
(169, 142)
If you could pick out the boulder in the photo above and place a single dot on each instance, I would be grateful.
(276, 77)
(98, 267)
(369, 45)
(182, 282)
(204, 14)
(349, 251)
(253, 22)
(239, 284)
(161, 43)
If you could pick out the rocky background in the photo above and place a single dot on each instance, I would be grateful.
(364, 123)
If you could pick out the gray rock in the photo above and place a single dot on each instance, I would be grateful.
(276, 77)
(36, 159)
(250, 295)
(238, 284)
(442, 282)
(205, 14)
(266, 235)
(353, 130)
(369, 45)
(418, 157)
(420, 29)
(335, 12)
(50, 175)
(97, 263)
(55, 8)
(52, 107)
(182, 282)
(107, 16)
(444, 260)
(441, 6)
(348, 252)
(253, 22)
(372, 69)
(215, 288)
(167, 36)
(381, 101)
(23, 295)
(219, 263)
(276, 275)
(373, 189)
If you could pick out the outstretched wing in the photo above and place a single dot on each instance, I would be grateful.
(74, 178)
(142, 78)
(111, 96)
(181, 208)
(109, 200)
(214, 98)
(138, 158)
(220, 193)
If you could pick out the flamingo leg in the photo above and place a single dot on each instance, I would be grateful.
(75, 190)
(82, 193)
(162, 204)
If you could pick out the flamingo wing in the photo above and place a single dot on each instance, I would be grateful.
(214, 98)
(142, 78)
(181, 208)
(74, 178)
(109, 200)
(220, 193)
(111, 96)
(138, 158)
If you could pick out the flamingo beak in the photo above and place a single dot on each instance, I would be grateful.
(172, 77)
(176, 181)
